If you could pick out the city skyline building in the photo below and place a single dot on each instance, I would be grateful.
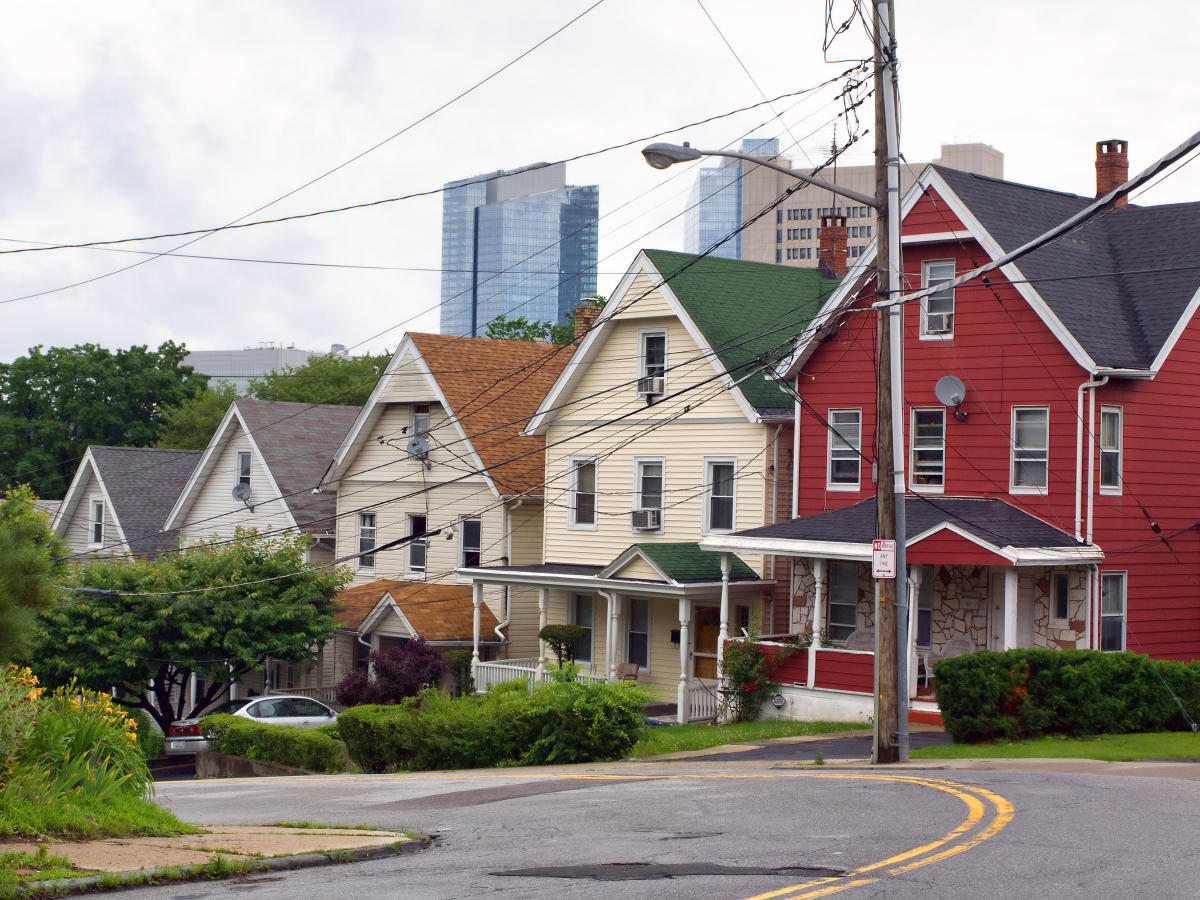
(516, 243)
(735, 191)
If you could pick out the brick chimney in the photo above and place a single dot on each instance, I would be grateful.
(831, 254)
(585, 315)
(1112, 167)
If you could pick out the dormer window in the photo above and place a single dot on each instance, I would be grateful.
(652, 364)
(937, 310)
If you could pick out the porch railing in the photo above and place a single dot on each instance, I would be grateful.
(836, 669)
(490, 674)
(703, 700)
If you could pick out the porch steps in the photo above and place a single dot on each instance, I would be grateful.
(925, 713)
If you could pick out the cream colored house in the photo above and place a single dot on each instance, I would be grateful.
(661, 430)
(434, 474)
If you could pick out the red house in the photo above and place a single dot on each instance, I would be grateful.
(1054, 499)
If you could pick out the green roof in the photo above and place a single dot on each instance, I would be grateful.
(687, 562)
(744, 310)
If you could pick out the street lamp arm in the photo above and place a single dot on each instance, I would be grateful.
(660, 156)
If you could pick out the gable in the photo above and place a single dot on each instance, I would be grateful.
(637, 568)
(945, 547)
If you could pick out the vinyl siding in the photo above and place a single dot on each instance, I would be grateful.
(77, 529)
(215, 513)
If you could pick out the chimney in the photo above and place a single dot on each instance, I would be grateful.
(1112, 168)
(831, 254)
(585, 314)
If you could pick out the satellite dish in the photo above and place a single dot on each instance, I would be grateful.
(241, 491)
(418, 448)
(951, 392)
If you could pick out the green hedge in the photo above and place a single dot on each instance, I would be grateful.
(562, 721)
(1025, 693)
(314, 749)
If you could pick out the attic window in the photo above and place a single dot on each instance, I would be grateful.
(96, 524)
(937, 310)
(243, 468)
(420, 418)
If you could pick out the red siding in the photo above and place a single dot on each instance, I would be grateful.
(846, 671)
(793, 670)
(949, 549)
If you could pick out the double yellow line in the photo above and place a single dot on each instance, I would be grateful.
(987, 813)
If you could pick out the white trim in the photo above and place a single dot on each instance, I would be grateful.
(936, 237)
(1117, 489)
(707, 481)
(923, 332)
(912, 451)
(649, 331)
(830, 484)
(462, 541)
(75, 493)
(1181, 325)
(627, 622)
(1124, 576)
(359, 565)
(1013, 487)
(409, 571)
(238, 456)
(636, 494)
(573, 465)
(94, 502)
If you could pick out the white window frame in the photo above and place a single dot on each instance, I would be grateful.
(1119, 582)
(638, 503)
(96, 523)
(835, 441)
(1015, 450)
(1115, 452)
(420, 418)
(925, 609)
(642, 369)
(851, 569)
(1060, 588)
(928, 448)
(463, 549)
(576, 463)
(422, 543)
(243, 466)
(710, 495)
(589, 626)
(629, 632)
(365, 540)
(930, 277)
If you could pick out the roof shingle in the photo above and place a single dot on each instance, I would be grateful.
(438, 612)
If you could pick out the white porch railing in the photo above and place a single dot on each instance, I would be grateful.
(702, 700)
(490, 674)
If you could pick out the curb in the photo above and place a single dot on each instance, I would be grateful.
(176, 875)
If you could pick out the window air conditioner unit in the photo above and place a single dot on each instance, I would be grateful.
(939, 323)
(650, 386)
(646, 519)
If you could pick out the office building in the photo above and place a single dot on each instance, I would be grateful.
(519, 243)
(736, 191)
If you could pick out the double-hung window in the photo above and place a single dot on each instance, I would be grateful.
(96, 524)
(637, 641)
(845, 441)
(925, 609)
(719, 480)
(1030, 449)
(1110, 450)
(582, 513)
(1060, 606)
(1112, 611)
(418, 547)
(928, 463)
(648, 487)
(843, 599)
(366, 542)
(581, 615)
(652, 363)
(242, 475)
(472, 543)
(420, 418)
(937, 310)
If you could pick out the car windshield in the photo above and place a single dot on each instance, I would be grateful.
(230, 706)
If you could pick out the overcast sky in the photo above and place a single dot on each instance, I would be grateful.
(137, 118)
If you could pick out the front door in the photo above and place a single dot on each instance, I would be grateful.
(708, 629)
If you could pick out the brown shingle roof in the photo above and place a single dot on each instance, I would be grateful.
(494, 397)
(438, 612)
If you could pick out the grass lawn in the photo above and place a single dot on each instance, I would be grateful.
(673, 738)
(1107, 747)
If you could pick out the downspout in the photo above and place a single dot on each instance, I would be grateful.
(1091, 484)
(507, 558)
(1088, 618)
(775, 518)
(796, 461)
(1079, 454)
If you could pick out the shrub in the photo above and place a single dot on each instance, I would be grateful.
(150, 740)
(563, 640)
(748, 672)
(458, 662)
(397, 673)
(301, 748)
(1028, 692)
(562, 721)
(21, 703)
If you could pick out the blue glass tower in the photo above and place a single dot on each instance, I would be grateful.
(519, 243)
(715, 204)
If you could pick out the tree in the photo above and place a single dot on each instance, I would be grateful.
(30, 562)
(132, 623)
(338, 380)
(396, 673)
(57, 402)
(563, 639)
(191, 424)
(503, 328)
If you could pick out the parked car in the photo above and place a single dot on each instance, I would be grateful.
(184, 737)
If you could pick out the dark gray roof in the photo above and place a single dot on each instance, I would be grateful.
(550, 569)
(990, 520)
(298, 441)
(143, 484)
(1119, 283)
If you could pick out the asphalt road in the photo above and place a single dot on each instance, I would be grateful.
(736, 830)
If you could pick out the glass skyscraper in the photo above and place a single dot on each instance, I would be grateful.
(519, 243)
(715, 205)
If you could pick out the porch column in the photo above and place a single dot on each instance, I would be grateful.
(614, 631)
(477, 600)
(723, 632)
(683, 706)
(818, 617)
(915, 574)
(541, 664)
(1010, 608)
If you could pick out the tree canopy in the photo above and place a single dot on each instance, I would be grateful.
(126, 622)
(30, 561)
(58, 401)
(520, 328)
(338, 380)
(191, 424)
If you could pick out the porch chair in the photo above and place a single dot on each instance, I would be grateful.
(860, 639)
(627, 671)
(956, 646)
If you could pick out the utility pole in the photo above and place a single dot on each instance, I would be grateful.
(891, 601)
